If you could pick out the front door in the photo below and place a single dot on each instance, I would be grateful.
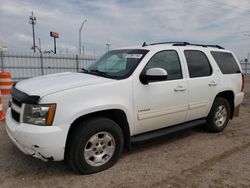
(161, 103)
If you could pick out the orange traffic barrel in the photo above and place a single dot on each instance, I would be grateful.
(1, 108)
(5, 83)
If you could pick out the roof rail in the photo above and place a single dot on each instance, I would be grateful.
(180, 43)
(216, 46)
(183, 44)
(144, 44)
(202, 45)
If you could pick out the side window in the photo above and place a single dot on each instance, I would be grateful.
(198, 64)
(168, 60)
(226, 62)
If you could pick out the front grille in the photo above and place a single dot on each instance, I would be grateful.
(15, 115)
(15, 109)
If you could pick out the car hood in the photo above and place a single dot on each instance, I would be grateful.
(45, 85)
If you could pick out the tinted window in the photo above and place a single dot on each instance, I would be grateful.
(167, 60)
(198, 64)
(226, 62)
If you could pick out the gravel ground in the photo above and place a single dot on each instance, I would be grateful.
(192, 158)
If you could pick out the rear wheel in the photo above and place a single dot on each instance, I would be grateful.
(218, 116)
(95, 146)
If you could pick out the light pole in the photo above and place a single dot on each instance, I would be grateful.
(33, 22)
(40, 46)
(80, 40)
(107, 47)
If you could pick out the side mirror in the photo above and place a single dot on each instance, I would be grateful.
(154, 74)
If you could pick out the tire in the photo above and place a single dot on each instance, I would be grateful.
(218, 116)
(96, 145)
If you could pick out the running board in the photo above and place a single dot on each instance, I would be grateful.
(165, 131)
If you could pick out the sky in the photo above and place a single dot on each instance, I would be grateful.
(125, 23)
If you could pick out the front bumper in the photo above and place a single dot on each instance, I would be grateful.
(43, 142)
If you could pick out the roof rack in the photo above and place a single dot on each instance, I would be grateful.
(184, 44)
(202, 45)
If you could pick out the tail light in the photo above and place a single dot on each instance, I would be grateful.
(242, 81)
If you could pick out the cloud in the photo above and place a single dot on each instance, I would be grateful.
(22, 38)
(61, 48)
(126, 23)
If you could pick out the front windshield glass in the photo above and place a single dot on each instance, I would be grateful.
(117, 64)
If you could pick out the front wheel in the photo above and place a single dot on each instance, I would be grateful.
(96, 145)
(218, 116)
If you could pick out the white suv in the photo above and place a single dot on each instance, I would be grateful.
(129, 95)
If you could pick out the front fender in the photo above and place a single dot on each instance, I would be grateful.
(77, 102)
(99, 108)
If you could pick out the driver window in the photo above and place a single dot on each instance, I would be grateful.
(167, 60)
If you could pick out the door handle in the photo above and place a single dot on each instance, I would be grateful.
(212, 83)
(179, 88)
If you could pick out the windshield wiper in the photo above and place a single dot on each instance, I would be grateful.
(97, 72)
(83, 70)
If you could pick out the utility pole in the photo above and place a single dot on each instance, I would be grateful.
(80, 39)
(107, 47)
(33, 22)
(40, 46)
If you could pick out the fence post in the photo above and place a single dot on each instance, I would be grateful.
(41, 57)
(2, 66)
(245, 68)
(77, 63)
(248, 55)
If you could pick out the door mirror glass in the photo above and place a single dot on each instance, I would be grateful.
(153, 75)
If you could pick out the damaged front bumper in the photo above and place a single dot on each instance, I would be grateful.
(43, 142)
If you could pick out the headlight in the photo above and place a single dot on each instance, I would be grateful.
(39, 114)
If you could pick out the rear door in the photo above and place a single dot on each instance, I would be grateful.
(202, 83)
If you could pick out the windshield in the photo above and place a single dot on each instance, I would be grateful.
(117, 64)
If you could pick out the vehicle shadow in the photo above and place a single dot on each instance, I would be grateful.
(20, 164)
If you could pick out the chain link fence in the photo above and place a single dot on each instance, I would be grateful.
(27, 65)
(245, 67)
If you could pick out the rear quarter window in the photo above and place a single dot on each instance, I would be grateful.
(226, 62)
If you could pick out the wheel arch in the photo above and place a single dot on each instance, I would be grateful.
(117, 115)
(229, 96)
